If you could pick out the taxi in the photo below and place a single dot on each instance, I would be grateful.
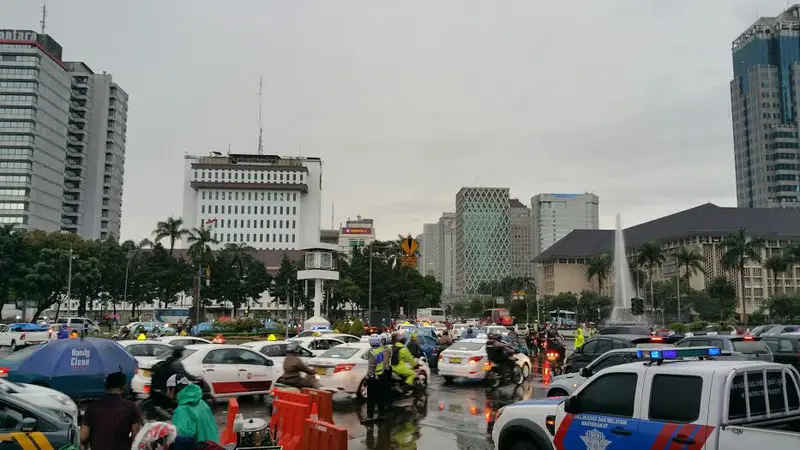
(227, 370)
(27, 426)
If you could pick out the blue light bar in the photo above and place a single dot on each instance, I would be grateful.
(678, 353)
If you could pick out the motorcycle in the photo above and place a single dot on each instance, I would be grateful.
(554, 362)
(420, 387)
(121, 334)
(159, 407)
(497, 377)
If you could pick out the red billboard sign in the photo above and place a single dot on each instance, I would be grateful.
(356, 230)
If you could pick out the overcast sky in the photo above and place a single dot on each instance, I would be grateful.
(407, 101)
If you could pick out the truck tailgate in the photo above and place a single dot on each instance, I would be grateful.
(747, 438)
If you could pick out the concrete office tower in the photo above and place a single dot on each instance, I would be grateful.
(355, 234)
(447, 252)
(764, 103)
(263, 201)
(555, 215)
(520, 229)
(483, 248)
(95, 162)
(429, 250)
(34, 105)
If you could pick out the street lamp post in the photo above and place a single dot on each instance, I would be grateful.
(69, 284)
(131, 255)
(369, 289)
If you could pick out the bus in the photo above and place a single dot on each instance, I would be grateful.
(171, 315)
(431, 315)
(565, 319)
(498, 316)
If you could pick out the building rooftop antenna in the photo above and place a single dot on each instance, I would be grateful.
(43, 23)
(260, 122)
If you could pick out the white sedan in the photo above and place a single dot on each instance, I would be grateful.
(54, 401)
(182, 341)
(344, 369)
(317, 345)
(499, 329)
(145, 352)
(228, 370)
(466, 358)
(276, 351)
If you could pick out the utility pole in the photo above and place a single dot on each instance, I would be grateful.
(369, 290)
(678, 278)
(69, 284)
(197, 300)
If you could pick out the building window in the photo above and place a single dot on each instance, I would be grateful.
(294, 209)
(294, 196)
(202, 209)
(248, 210)
(262, 210)
(293, 238)
(262, 224)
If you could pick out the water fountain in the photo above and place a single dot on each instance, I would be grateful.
(623, 283)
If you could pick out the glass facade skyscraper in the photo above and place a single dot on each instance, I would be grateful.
(483, 245)
(764, 104)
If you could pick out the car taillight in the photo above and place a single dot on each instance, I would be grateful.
(552, 355)
(441, 358)
(474, 359)
(4, 371)
(656, 339)
(748, 338)
(343, 368)
(147, 388)
(22, 337)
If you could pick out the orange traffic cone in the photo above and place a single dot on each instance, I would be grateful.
(219, 339)
(314, 413)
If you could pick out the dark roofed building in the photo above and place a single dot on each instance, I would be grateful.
(562, 267)
(271, 258)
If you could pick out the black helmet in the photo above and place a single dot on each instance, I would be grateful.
(494, 337)
(177, 352)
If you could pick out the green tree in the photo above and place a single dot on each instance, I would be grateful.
(776, 265)
(784, 307)
(739, 248)
(599, 267)
(12, 260)
(651, 256)
(200, 241)
(721, 298)
(594, 307)
(171, 229)
(690, 261)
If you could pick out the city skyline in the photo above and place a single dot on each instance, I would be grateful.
(483, 117)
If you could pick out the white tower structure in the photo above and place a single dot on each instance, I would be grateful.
(319, 266)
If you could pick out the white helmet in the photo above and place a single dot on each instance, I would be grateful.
(155, 436)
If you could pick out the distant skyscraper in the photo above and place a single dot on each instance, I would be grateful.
(764, 95)
(483, 248)
(447, 252)
(555, 215)
(429, 248)
(520, 229)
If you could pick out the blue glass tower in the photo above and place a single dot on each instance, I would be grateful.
(764, 104)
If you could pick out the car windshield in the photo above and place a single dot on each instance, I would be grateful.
(340, 352)
(466, 346)
(750, 347)
(166, 354)
(22, 354)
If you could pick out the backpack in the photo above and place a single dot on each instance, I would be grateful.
(396, 354)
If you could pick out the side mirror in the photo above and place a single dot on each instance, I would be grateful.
(270, 363)
(585, 373)
(29, 424)
(572, 405)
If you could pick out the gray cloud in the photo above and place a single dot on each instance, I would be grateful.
(628, 99)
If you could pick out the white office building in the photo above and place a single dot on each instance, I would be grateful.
(355, 234)
(262, 201)
(555, 215)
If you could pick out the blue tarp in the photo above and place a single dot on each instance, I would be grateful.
(28, 327)
(76, 367)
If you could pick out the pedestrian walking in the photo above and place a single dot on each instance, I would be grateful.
(192, 417)
(112, 421)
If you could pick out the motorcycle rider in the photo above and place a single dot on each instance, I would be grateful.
(376, 365)
(555, 342)
(413, 346)
(403, 362)
(161, 372)
(498, 352)
(293, 366)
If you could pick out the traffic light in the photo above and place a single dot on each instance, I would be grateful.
(637, 306)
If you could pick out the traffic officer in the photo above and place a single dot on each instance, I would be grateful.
(386, 376)
(376, 366)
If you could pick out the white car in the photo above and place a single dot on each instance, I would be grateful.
(145, 352)
(228, 370)
(182, 341)
(406, 326)
(50, 399)
(344, 369)
(18, 335)
(316, 344)
(465, 359)
(276, 351)
(499, 329)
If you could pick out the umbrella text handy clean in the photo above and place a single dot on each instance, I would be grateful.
(76, 367)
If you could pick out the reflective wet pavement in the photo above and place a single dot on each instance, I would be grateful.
(454, 416)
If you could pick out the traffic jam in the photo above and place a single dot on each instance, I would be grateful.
(473, 383)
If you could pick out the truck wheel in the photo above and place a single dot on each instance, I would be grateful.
(13, 346)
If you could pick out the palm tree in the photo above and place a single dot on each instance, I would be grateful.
(690, 261)
(200, 240)
(651, 256)
(171, 228)
(738, 249)
(776, 265)
(599, 267)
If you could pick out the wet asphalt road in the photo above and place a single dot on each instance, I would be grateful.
(454, 416)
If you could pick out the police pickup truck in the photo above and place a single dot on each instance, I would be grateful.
(677, 399)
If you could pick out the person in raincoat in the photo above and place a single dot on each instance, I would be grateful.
(74, 334)
(579, 337)
(63, 332)
(192, 417)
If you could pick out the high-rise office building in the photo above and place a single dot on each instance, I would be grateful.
(429, 250)
(483, 248)
(764, 95)
(520, 235)
(447, 252)
(555, 215)
(262, 201)
(95, 162)
(356, 234)
(62, 140)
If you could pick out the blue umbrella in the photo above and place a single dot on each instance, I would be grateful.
(76, 367)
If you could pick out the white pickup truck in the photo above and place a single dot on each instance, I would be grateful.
(663, 403)
(18, 335)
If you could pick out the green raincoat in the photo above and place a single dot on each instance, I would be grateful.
(193, 417)
(579, 339)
